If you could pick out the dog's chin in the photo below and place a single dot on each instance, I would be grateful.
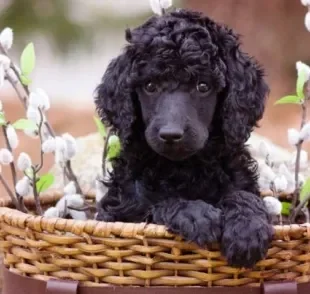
(174, 152)
(177, 156)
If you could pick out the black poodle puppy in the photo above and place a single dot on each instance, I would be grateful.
(184, 99)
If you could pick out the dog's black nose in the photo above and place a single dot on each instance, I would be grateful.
(170, 135)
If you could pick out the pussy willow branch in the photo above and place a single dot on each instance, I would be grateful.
(294, 211)
(9, 191)
(73, 177)
(300, 206)
(20, 201)
(23, 97)
(39, 167)
(36, 193)
(105, 152)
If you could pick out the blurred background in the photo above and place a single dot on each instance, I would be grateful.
(75, 39)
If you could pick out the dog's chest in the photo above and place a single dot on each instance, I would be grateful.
(190, 185)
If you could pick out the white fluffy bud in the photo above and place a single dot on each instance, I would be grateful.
(70, 188)
(1, 106)
(5, 61)
(78, 215)
(273, 205)
(6, 38)
(264, 183)
(39, 99)
(303, 158)
(49, 145)
(302, 67)
(2, 75)
(165, 3)
(305, 132)
(267, 172)
(283, 170)
(74, 200)
(158, 5)
(264, 149)
(12, 136)
(307, 21)
(33, 114)
(305, 2)
(23, 162)
(100, 191)
(301, 179)
(60, 150)
(31, 133)
(23, 187)
(280, 183)
(52, 212)
(290, 177)
(6, 156)
(71, 146)
(293, 137)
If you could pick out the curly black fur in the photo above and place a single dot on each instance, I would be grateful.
(206, 189)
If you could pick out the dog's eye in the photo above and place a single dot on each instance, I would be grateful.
(150, 87)
(202, 87)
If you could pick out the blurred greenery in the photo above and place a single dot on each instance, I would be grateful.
(53, 19)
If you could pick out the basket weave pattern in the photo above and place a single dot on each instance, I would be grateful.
(95, 253)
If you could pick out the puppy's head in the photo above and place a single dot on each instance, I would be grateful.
(177, 117)
(179, 72)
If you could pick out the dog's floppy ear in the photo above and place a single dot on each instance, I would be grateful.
(246, 90)
(113, 96)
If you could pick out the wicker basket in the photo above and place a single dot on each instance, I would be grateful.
(98, 253)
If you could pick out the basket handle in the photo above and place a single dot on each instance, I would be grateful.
(283, 287)
(71, 287)
(61, 287)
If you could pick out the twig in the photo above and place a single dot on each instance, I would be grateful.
(299, 207)
(72, 177)
(50, 129)
(7, 188)
(14, 68)
(85, 208)
(39, 167)
(296, 194)
(65, 208)
(36, 194)
(105, 152)
(19, 201)
(305, 210)
(297, 167)
(21, 96)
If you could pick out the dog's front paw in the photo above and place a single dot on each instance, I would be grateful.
(245, 241)
(196, 221)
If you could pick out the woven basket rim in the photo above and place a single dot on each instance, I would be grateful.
(22, 220)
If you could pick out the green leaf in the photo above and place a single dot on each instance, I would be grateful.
(290, 99)
(100, 126)
(114, 147)
(27, 60)
(2, 119)
(24, 124)
(301, 79)
(44, 182)
(305, 190)
(25, 80)
(286, 208)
